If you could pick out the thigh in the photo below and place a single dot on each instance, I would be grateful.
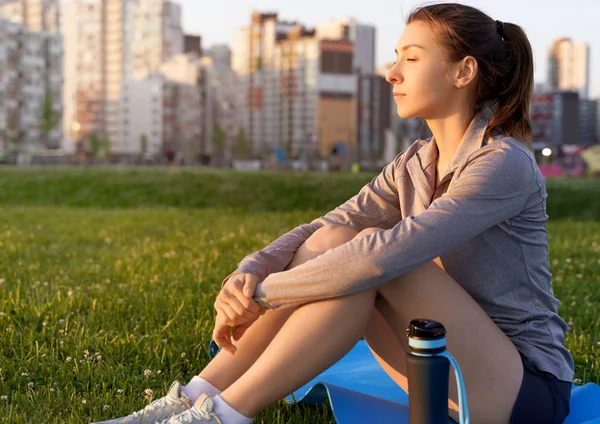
(490, 363)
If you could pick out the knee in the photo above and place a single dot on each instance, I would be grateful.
(330, 236)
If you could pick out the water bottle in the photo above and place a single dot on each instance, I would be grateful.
(428, 369)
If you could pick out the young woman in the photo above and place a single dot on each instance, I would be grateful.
(454, 229)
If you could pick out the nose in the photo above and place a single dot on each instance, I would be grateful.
(394, 76)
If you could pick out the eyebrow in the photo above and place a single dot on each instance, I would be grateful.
(408, 46)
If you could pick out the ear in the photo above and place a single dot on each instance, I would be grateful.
(466, 71)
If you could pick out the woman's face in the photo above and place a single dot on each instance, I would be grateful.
(423, 85)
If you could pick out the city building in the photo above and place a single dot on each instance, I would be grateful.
(361, 36)
(252, 60)
(588, 122)
(161, 112)
(374, 116)
(107, 44)
(31, 103)
(161, 120)
(83, 88)
(192, 44)
(301, 86)
(221, 110)
(36, 15)
(555, 119)
(569, 67)
(220, 55)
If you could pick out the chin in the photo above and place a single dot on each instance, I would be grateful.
(406, 113)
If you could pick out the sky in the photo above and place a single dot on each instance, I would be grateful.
(543, 21)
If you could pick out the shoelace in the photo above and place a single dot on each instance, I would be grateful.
(158, 403)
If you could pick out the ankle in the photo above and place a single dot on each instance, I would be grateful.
(198, 386)
(228, 413)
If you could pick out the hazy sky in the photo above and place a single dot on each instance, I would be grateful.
(543, 20)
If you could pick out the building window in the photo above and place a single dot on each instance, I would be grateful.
(336, 62)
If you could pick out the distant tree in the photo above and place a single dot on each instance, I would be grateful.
(143, 146)
(12, 134)
(100, 147)
(50, 118)
(218, 137)
(241, 145)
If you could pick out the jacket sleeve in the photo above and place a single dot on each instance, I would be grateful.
(376, 205)
(493, 187)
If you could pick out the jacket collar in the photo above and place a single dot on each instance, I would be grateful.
(471, 141)
(421, 166)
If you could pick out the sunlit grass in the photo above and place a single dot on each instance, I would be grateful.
(99, 304)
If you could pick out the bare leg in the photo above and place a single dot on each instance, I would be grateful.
(313, 338)
(225, 368)
(324, 331)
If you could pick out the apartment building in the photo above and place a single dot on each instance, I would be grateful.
(123, 40)
(161, 112)
(569, 67)
(37, 15)
(306, 90)
(222, 105)
(83, 81)
(30, 90)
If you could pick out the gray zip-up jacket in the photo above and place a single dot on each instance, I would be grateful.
(486, 221)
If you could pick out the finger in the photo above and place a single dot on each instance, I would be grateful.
(222, 337)
(240, 303)
(236, 284)
(229, 315)
(250, 285)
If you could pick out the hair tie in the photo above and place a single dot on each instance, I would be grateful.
(500, 29)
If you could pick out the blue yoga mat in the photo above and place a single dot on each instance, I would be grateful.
(359, 390)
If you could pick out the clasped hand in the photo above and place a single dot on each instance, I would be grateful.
(236, 310)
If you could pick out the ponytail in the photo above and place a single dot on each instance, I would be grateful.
(515, 86)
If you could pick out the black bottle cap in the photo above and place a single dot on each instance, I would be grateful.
(425, 329)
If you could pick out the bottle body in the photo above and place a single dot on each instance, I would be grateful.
(427, 388)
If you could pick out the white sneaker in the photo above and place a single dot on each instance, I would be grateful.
(162, 409)
(201, 413)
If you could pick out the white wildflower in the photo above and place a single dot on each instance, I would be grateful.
(147, 373)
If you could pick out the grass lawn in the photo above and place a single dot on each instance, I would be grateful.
(108, 273)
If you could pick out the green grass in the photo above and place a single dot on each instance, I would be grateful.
(125, 264)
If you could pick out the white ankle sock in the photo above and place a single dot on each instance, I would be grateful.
(227, 414)
(197, 386)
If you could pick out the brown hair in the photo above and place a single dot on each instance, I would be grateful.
(503, 55)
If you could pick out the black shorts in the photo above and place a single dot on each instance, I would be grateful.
(542, 398)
